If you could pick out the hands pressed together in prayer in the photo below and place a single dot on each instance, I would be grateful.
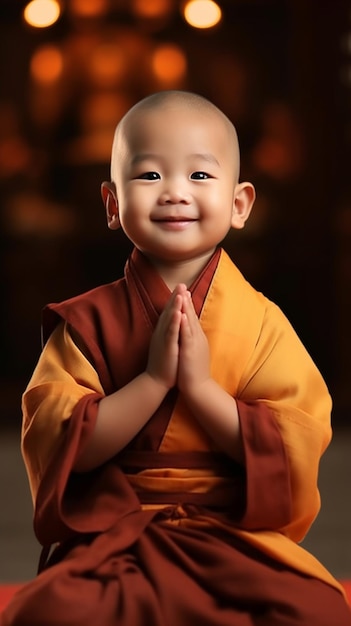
(179, 356)
(179, 352)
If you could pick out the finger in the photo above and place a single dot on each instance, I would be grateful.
(185, 333)
(175, 301)
(180, 289)
(188, 309)
(174, 325)
(173, 305)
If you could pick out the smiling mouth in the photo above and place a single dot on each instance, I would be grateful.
(175, 223)
(175, 219)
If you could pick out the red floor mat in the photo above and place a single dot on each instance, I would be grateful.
(6, 592)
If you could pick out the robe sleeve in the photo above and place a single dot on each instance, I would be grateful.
(62, 378)
(268, 491)
(60, 408)
(282, 386)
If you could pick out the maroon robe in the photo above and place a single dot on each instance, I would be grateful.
(119, 564)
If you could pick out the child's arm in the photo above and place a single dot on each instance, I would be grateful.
(122, 414)
(213, 407)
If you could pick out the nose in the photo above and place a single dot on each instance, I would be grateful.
(175, 192)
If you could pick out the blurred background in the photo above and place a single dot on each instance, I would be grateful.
(281, 70)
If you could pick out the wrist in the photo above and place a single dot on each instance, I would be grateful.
(197, 393)
(156, 384)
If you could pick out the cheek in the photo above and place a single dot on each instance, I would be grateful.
(132, 214)
(217, 200)
(138, 199)
(128, 203)
(128, 220)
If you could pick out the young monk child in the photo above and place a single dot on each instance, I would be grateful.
(174, 424)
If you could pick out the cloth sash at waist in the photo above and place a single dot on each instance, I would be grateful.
(205, 479)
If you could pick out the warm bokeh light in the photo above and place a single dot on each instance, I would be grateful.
(42, 13)
(98, 116)
(107, 65)
(151, 8)
(46, 64)
(88, 8)
(169, 64)
(202, 13)
(102, 110)
(30, 214)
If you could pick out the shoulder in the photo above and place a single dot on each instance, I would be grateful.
(91, 298)
(251, 306)
(235, 281)
(83, 309)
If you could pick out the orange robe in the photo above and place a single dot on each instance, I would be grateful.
(171, 530)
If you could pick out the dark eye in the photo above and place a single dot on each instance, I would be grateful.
(199, 176)
(149, 176)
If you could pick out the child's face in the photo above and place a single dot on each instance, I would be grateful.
(175, 182)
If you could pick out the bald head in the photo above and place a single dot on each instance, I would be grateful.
(183, 98)
(168, 100)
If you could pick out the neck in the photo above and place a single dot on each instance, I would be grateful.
(186, 271)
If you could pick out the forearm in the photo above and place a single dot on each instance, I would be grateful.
(120, 417)
(217, 413)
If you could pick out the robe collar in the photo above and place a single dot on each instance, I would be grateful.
(155, 292)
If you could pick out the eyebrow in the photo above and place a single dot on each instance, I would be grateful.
(138, 158)
(205, 156)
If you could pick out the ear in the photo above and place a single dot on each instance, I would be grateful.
(109, 198)
(244, 197)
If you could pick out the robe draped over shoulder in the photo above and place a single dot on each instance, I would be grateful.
(171, 473)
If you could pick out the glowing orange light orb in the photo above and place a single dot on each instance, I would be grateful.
(202, 13)
(42, 13)
(46, 64)
(169, 63)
